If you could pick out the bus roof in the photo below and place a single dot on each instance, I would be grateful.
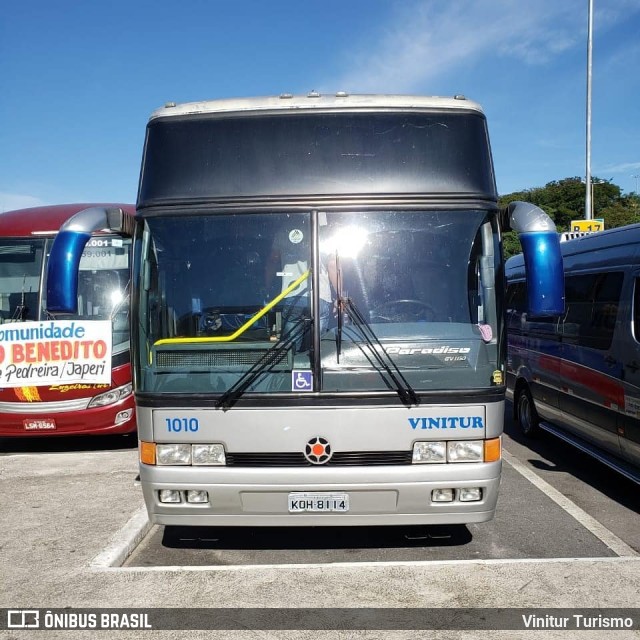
(340, 101)
(317, 150)
(46, 220)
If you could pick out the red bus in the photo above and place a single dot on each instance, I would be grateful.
(26, 236)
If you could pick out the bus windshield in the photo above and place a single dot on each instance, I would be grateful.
(413, 288)
(20, 274)
(102, 288)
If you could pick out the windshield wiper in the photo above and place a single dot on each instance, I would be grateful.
(21, 311)
(346, 305)
(404, 389)
(270, 357)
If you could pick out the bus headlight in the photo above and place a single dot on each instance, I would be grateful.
(110, 397)
(470, 494)
(429, 452)
(465, 451)
(208, 454)
(167, 454)
(197, 496)
(169, 496)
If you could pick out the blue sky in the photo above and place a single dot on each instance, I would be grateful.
(79, 79)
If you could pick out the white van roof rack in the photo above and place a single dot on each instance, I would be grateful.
(572, 235)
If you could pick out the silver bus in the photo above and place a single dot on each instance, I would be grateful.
(318, 311)
(578, 375)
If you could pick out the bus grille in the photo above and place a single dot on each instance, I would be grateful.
(342, 458)
(212, 359)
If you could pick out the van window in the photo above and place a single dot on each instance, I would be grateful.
(592, 302)
(519, 320)
(516, 297)
(636, 309)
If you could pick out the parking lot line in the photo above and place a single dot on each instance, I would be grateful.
(612, 541)
(359, 565)
(133, 532)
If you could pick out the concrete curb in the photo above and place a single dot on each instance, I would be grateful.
(124, 542)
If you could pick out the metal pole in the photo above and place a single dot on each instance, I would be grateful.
(588, 213)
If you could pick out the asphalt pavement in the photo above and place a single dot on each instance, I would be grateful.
(65, 517)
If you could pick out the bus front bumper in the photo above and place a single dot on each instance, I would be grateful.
(375, 495)
(117, 418)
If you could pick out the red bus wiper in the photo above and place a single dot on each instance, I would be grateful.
(22, 310)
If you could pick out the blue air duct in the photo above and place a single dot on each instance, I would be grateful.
(66, 251)
(542, 258)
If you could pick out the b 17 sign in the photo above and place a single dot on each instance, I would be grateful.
(55, 352)
(597, 224)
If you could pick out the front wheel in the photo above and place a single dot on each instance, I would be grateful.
(526, 414)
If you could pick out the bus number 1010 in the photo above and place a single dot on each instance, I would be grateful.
(176, 425)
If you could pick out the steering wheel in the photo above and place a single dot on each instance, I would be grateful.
(403, 311)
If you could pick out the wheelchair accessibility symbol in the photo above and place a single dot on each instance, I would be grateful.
(301, 380)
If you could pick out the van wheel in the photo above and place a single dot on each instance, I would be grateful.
(526, 414)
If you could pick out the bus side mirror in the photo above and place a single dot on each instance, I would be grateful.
(66, 251)
(62, 272)
(544, 270)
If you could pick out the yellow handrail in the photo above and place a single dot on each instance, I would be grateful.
(294, 285)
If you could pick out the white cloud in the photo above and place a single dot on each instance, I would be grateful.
(622, 167)
(11, 201)
(613, 11)
(623, 60)
(428, 39)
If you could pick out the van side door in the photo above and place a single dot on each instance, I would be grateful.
(533, 352)
(628, 341)
(591, 393)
